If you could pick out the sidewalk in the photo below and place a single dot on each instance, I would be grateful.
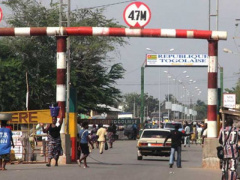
(192, 169)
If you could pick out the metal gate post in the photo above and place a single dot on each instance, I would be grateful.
(212, 88)
(61, 96)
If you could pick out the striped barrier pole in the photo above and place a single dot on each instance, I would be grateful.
(212, 88)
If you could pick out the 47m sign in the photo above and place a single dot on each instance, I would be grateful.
(137, 15)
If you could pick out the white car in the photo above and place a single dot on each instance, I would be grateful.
(151, 143)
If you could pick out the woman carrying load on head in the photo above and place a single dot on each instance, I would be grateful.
(54, 145)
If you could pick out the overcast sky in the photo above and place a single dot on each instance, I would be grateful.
(174, 14)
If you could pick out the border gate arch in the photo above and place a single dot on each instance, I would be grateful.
(62, 33)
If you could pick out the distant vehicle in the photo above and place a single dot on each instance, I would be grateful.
(172, 125)
(129, 132)
(155, 116)
(151, 143)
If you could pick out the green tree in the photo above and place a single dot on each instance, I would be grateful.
(172, 98)
(235, 90)
(201, 109)
(131, 99)
(91, 73)
(9, 75)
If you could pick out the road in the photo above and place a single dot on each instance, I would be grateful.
(119, 163)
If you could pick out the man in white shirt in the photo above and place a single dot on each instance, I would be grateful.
(101, 133)
(187, 138)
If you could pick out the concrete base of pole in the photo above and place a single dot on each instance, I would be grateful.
(210, 159)
(66, 145)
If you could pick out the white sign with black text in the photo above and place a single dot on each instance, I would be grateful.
(137, 15)
(229, 100)
(199, 60)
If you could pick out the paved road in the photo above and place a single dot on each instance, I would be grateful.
(119, 163)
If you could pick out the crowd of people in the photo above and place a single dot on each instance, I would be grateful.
(198, 131)
(98, 136)
(101, 137)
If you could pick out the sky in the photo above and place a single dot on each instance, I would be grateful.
(174, 14)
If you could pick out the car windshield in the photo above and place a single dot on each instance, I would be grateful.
(155, 134)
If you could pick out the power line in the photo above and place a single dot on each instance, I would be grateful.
(108, 5)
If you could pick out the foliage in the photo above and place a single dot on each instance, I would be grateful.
(131, 99)
(201, 109)
(172, 98)
(152, 105)
(235, 90)
(35, 57)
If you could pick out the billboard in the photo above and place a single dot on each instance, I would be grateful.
(31, 117)
(193, 60)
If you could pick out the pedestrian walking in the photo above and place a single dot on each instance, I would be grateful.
(187, 138)
(94, 136)
(110, 135)
(228, 138)
(54, 140)
(83, 147)
(134, 127)
(176, 137)
(6, 141)
(194, 134)
(101, 133)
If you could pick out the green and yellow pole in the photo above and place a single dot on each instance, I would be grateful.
(73, 122)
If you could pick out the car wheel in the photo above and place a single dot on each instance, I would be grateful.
(139, 158)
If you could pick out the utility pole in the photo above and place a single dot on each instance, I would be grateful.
(64, 21)
(142, 95)
(214, 15)
(221, 85)
(134, 110)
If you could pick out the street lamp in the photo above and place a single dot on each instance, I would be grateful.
(176, 79)
(168, 103)
(149, 49)
(170, 50)
(226, 50)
